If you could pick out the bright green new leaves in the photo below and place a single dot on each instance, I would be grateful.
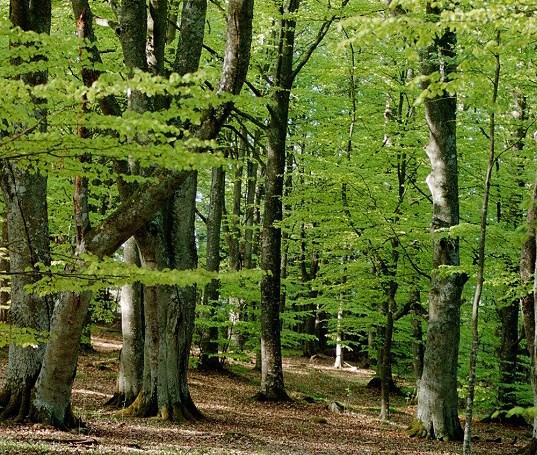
(21, 336)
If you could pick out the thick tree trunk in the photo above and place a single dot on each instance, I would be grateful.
(437, 415)
(272, 385)
(52, 402)
(527, 270)
(151, 244)
(26, 215)
(129, 218)
(177, 312)
(27, 222)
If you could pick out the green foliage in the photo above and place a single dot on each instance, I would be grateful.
(21, 336)
(358, 207)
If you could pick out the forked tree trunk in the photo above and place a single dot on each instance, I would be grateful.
(437, 414)
(26, 215)
(131, 216)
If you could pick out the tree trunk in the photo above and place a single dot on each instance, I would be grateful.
(437, 415)
(26, 215)
(177, 312)
(131, 359)
(134, 213)
(209, 346)
(527, 301)
(151, 245)
(5, 295)
(272, 385)
(386, 357)
(508, 311)
(52, 402)
(338, 363)
(417, 336)
(27, 222)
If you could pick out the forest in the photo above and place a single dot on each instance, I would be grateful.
(228, 224)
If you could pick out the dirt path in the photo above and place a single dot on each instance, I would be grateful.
(237, 424)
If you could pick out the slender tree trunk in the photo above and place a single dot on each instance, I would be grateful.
(386, 354)
(209, 347)
(233, 235)
(131, 359)
(437, 415)
(5, 295)
(509, 311)
(417, 336)
(481, 259)
(251, 174)
(338, 363)
(272, 385)
(26, 215)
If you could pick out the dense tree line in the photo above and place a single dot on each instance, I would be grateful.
(313, 176)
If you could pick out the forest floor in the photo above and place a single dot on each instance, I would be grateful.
(235, 423)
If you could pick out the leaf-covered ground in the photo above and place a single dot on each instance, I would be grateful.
(235, 423)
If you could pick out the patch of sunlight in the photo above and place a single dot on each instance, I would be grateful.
(91, 392)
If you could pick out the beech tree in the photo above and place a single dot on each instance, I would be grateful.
(286, 70)
(52, 397)
(327, 153)
(437, 394)
(26, 216)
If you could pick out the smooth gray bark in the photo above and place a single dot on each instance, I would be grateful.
(131, 359)
(132, 214)
(437, 412)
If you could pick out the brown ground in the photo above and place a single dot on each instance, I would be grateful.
(237, 424)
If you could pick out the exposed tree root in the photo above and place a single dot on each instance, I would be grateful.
(120, 401)
(417, 430)
(15, 403)
(67, 423)
(142, 406)
(181, 413)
